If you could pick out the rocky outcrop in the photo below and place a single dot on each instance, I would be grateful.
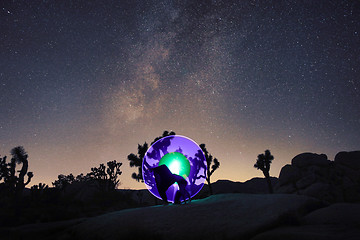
(314, 175)
(349, 159)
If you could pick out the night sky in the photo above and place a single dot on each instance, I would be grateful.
(83, 82)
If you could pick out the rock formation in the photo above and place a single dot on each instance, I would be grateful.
(314, 175)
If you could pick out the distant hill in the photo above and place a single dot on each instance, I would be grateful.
(252, 186)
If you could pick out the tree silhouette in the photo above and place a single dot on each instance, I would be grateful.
(137, 159)
(3, 168)
(98, 173)
(212, 165)
(106, 176)
(82, 178)
(263, 162)
(165, 134)
(63, 181)
(114, 171)
(198, 165)
(11, 182)
(40, 186)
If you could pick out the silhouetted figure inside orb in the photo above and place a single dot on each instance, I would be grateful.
(164, 179)
(182, 192)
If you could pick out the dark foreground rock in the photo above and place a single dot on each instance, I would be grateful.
(311, 232)
(338, 221)
(224, 216)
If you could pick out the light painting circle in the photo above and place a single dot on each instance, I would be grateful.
(183, 157)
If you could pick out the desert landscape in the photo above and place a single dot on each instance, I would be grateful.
(263, 96)
(235, 210)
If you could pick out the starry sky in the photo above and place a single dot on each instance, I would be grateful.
(83, 82)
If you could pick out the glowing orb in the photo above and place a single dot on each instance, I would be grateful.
(183, 157)
(177, 164)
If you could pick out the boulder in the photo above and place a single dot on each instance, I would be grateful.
(317, 190)
(288, 174)
(349, 159)
(314, 175)
(308, 159)
(306, 181)
(288, 188)
(319, 171)
(343, 170)
(350, 190)
(324, 191)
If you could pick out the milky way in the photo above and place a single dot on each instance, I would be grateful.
(83, 82)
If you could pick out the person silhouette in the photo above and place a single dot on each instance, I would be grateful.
(164, 179)
(182, 192)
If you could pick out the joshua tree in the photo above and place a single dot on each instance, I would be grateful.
(165, 134)
(4, 176)
(98, 173)
(263, 162)
(137, 159)
(63, 181)
(38, 191)
(210, 168)
(20, 156)
(3, 168)
(107, 177)
(113, 170)
(40, 187)
(15, 184)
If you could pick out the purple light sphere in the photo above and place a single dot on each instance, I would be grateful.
(179, 144)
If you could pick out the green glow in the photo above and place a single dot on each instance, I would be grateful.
(177, 163)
